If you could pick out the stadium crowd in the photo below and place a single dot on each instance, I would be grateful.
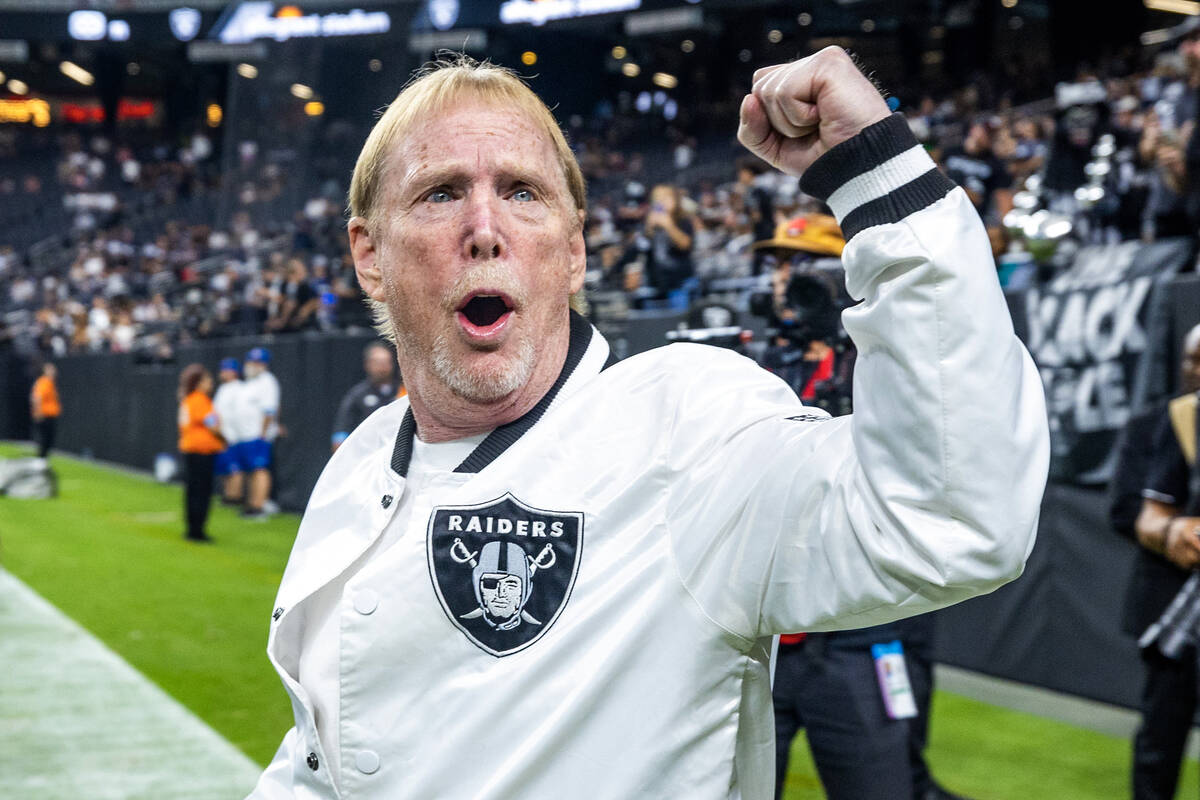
(118, 248)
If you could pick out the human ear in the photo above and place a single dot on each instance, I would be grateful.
(364, 249)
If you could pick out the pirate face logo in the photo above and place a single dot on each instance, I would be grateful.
(502, 596)
(503, 570)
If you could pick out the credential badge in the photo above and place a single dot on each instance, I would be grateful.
(503, 570)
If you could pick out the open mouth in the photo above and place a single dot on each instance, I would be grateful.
(485, 314)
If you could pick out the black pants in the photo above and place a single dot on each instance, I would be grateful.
(827, 685)
(197, 491)
(1168, 703)
(44, 430)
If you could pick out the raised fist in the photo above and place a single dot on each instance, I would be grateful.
(796, 112)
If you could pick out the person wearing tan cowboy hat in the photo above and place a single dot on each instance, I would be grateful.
(818, 234)
(811, 234)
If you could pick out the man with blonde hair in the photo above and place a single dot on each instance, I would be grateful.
(543, 574)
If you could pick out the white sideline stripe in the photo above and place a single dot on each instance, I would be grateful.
(79, 723)
(875, 183)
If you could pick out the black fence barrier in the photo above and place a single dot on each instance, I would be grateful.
(117, 409)
(14, 394)
(1059, 624)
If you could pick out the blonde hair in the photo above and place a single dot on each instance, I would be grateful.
(434, 87)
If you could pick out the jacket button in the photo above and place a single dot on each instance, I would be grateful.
(312, 761)
(386, 500)
(366, 601)
(367, 761)
(277, 613)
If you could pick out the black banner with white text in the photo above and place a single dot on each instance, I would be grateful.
(1099, 334)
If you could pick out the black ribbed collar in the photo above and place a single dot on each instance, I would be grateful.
(506, 435)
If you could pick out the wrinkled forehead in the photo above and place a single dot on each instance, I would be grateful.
(452, 127)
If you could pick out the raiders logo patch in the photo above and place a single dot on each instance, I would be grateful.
(503, 571)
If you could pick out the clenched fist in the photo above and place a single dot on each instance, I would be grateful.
(796, 112)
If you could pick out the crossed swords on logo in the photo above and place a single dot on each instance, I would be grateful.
(461, 554)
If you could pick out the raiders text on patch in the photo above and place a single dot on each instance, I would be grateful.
(502, 570)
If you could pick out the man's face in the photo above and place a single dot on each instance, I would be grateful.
(378, 365)
(501, 594)
(478, 247)
(1189, 48)
(1191, 370)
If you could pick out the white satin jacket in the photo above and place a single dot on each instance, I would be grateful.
(700, 509)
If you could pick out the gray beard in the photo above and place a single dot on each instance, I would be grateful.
(485, 387)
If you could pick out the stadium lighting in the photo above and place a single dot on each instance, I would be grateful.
(1189, 7)
(630, 70)
(118, 30)
(76, 73)
(214, 115)
(375, 65)
(665, 79)
(619, 52)
(1009, 3)
(687, 45)
(314, 108)
(775, 36)
(868, 25)
(18, 87)
(302, 91)
(247, 71)
(804, 18)
(529, 58)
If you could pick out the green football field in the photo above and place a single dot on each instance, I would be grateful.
(193, 618)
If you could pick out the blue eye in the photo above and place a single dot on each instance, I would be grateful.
(439, 196)
(523, 195)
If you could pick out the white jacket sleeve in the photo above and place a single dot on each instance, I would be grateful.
(929, 493)
(276, 781)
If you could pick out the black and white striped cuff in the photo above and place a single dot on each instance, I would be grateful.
(879, 176)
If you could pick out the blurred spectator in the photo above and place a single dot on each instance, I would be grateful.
(199, 442)
(379, 388)
(45, 408)
(664, 245)
(261, 397)
(236, 429)
(298, 301)
(975, 167)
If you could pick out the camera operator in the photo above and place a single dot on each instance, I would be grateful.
(807, 347)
